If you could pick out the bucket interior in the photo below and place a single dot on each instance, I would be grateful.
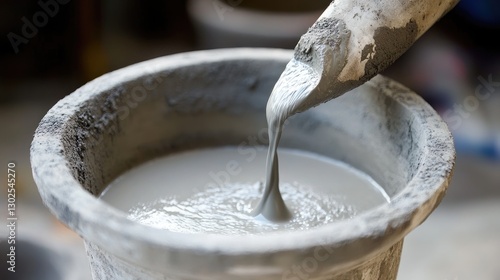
(223, 103)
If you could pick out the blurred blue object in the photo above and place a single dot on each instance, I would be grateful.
(483, 12)
(487, 148)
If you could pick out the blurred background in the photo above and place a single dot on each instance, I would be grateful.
(51, 47)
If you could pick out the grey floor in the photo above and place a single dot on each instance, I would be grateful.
(459, 241)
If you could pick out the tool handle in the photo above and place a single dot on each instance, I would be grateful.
(381, 31)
